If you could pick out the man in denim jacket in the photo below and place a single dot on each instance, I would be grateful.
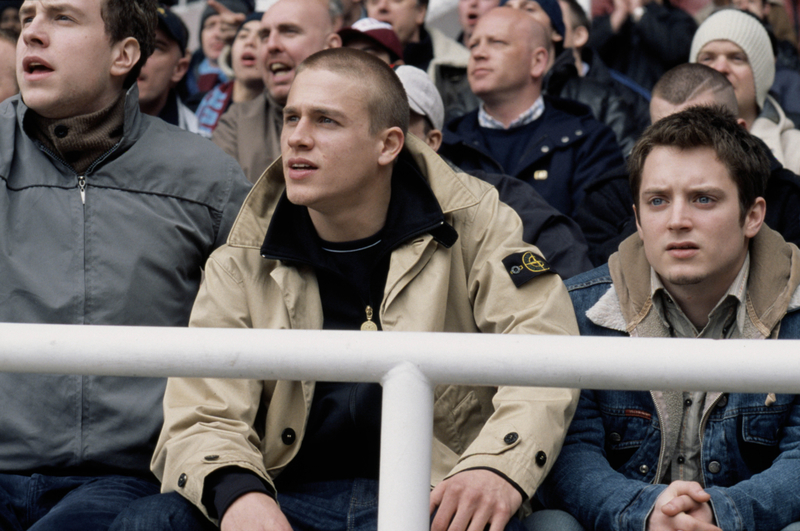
(702, 265)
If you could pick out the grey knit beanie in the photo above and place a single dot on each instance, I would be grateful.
(745, 31)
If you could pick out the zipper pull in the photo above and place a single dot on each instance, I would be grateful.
(369, 325)
(82, 186)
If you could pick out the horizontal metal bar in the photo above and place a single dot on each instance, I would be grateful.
(477, 359)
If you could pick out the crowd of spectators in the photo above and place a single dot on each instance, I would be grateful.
(343, 164)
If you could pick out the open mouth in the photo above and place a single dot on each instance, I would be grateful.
(681, 246)
(35, 66)
(248, 59)
(279, 68)
(302, 166)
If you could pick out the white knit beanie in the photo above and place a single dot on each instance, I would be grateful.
(747, 33)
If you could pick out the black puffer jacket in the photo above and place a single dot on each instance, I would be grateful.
(620, 108)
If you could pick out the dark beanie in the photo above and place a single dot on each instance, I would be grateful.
(553, 11)
(4, 4)
(237, 6)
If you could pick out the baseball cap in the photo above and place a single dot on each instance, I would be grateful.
(379, 32)
(423, 98)
(173, 26)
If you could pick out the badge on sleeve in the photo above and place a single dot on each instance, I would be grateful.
(524, 266)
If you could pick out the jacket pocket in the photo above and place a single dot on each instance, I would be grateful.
(460, 413)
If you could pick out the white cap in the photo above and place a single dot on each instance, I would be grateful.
(423, 98)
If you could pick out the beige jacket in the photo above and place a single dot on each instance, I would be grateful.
(779, 133)
(250, 132)
(428, 288)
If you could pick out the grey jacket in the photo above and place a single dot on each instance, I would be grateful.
(156, 206)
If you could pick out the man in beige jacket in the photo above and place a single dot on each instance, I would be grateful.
(374, 231)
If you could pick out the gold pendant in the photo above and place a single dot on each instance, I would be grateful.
(368, 325)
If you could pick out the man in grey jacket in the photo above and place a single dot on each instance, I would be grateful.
(107, 216)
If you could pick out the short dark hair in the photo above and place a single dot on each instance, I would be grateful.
(713, 127)
(9, 36)
(578, 15)
(132, 18)
(689, 80)
(387, 102)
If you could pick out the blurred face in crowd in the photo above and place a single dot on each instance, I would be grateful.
(9, 19)
(469, 11)
(291, 30)
(405, 16)
(331, 158)
(689, 218)
(502, 54)
(727, 58)
(8, 70)
(162, 71)
(66, 63)
(211, 38)
(244, 54)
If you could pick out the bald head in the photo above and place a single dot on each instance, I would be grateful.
(291, 30)
(691, 85)
(508, 59)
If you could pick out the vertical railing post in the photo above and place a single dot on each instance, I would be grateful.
(406, 440)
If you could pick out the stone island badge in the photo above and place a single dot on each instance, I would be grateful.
(524, 266)
(369, 325)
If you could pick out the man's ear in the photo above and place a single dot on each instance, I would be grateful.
(126, 54)
(580, 36)
(434, 139)
(392, 141)
(333, 41)
(539, 63)
(180, 69)
(755, 217)
(422, 11)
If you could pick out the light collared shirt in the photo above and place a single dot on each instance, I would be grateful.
(725, 321)
(528, 116)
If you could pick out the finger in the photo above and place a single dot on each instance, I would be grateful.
(436, 497)
(684, 522)
(499, 521)
(690, 488)
(466, 519)
(219, 8)
(679, 504)
(447, 509)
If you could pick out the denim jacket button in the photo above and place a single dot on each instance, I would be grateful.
(614, 437)
(644, 469)
(723, 401)
(714, 467)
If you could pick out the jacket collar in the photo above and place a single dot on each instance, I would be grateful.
(773, 287)
(133, 127)
(413, 210)
(250, 228)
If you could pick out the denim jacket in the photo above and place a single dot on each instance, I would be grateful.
(606, 475)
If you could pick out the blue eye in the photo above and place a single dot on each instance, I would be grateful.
(704, 200)
(656, 201)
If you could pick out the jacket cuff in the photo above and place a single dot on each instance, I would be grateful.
(226, 485)
(725, 512)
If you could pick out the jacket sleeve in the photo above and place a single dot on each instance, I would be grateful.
(556, 235)
(606, 215)
(597, 155)
(769, 500)
(584, 484)
(523, 436)
(208, 423)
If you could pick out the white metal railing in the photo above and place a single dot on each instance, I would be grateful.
(408, 365)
